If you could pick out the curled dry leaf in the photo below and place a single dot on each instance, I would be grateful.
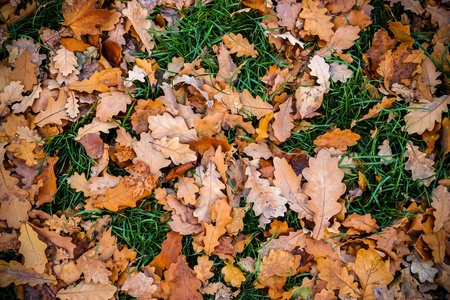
(19, 274)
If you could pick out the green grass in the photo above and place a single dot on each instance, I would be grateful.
(200, 29)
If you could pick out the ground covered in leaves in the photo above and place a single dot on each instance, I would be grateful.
(224, 149)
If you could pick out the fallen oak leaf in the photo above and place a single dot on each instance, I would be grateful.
(289, 184)
(420, 166)
(32, 248)
(65, 61)
(91, 291)
(364, 223)
(96, 127)
(324, 187)
(138, 17)
(83, 19)
(233, 275)
(180, 281)
(99, 81)
(57, 239)
(24, 71)
(222, 210)
(441, 204)
(111, 104)
(267, 200)
(203, 269)
(317, 22)
(337, 277)
(371, 269)
(239, 45)
(284, 121)
(14, 272)
(337, 139)
(423, 115)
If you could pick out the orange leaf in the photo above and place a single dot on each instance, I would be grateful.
(337, 277)
(83, 19)
(99, 81)
(316, 19)
(371, 269)
(171, 249)
(364, 223)
(337, 139)
(180, 281)
(48, 190)
(233, 274)
(222, 211)
(117, 198)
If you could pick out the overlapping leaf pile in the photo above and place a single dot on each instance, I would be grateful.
(175, 150)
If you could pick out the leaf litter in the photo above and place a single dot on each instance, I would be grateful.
(175, 148)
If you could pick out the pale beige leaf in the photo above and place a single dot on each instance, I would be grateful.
(65, 61)
(27, 101)
(85, 291)
(289, 37)
(258, 150)
(197, 84)
(110, 104)
(178, 153)
(340, 72)
(239, 45)
(146, 152)
(254, 106)
(420, 166)
(411, 5)
(289, 184)
(116, 35)
(53, 114)
(267, 200)
(430, 74)
(93, 269)
(210, 193)
(441, 204)
(137, 74)
(324, 187)
(424, 115)
(321, 70)
(170, 127)
(96, 127)
(138, 17)
(309, 99)
(284, 121)
(140, 286)
(72, 106)
(385, 150)
(186, 189)
(32, 248)
(28, 135)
